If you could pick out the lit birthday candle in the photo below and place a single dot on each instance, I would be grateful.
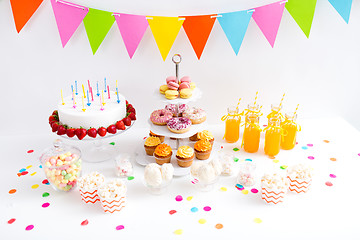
(83, 91)
(105, 84)
(97, 88)
(62, 98)
(88, 98)
(76, 92)
(117, 94)
(108, 89)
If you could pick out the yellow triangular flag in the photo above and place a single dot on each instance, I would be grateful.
(165, 31)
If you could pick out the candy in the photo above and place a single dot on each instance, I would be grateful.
(246, 176)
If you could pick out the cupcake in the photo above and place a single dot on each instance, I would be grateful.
(150, 144)
(162, 138)
(162, 153)
(300, 178)
(194, 137)
(206, 135)
(185, 156)
(202, 149)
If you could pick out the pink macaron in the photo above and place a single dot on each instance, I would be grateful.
(184, 85)
(171, 79)
(185, 79)
(173, 85)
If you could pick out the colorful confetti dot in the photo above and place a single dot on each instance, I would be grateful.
(45, 205)
(245, 191)
(326, 141)
(178, 198)
(219, 226)
(310, 145)
(189, 198)
(239, 187)
(333, 159)
(248, 159)
(19, 174)
(275, 161)
(11, 221)
(304, 147)
(254, 190)
(130, 178)
(12, 191)
(28, 166)
(33, 174)
(283, 167)
(112, 143)
(223, 189)
(171, 212)
(35, 186)
(332, 175)
(202, 221)
(120, 227)
(207, 209)
(257, 220)
(311, 157)
(30, 227)
(178, 232)
(30, 151)
(222, 147)
(194, 209)
(329, 184)
(24, 173)
(236, 149)
(46, 194)
(40, 166)
(84, 223)
(236, 159)
(22, 170)
(45, 181)
(358, 154)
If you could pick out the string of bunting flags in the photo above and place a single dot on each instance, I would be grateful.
(132, 27)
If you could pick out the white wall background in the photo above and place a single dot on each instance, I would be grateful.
(322, 73)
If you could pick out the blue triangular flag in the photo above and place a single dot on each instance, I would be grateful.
(235, 25)
(343, 7)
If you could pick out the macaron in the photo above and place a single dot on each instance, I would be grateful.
(185, 79)
(184, 85)
(171, 94)
(185, 93)
(171, 79)
(163, 88)
(192, 85)
(173, 85)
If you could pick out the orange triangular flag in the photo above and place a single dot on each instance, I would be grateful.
(198, 29)
(23, 11)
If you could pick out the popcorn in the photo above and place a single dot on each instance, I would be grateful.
(300, 171)
(91, 181)
(274, 181)
(112, 190)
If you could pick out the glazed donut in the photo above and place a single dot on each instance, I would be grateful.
(160, 117)
(179, 125)
(196, 115)
(181, 109)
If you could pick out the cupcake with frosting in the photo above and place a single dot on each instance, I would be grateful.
(150, 144)
(202, 149)
(206, 135)
(185, 156)
(162, 153)
(162, 138)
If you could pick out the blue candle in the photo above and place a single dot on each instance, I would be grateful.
(87, 93)
(117, 94)
(76, 92)
(105, 85)
(97, 88)
(72, 90)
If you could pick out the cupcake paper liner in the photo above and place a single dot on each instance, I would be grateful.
(272, 196)
(89, 196)
(299, 186)
(111, 206)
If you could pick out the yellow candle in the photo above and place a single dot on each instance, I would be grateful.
(83, 90)
(83, 105)
(116, 86)
(103, 99)
(62, 98)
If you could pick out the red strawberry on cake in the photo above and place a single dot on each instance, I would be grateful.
(120, 125)
(92, 132)
(127, 121)
(70, 132)
(111, 129)
(102, 131)
(80, 133)
(61, 130)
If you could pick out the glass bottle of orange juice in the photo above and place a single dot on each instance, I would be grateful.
(275, 112)
(232, 125)
(251, 136)
(291, 128)
(273, 137)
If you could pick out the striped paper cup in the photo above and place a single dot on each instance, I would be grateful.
(299, 185)
(113, 205)
(272, 196)
(89, 196)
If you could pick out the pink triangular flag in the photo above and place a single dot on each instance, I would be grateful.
(68, 18)
(132, 29)
(268, 19)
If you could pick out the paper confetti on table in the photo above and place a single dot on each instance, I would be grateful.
(304, 147)
(194, 209)
(30, 227)
(283, 167)
(24, 173)
(33, 174)
(332, 175)
(28, 166)
(189, 198)
(326, 141)
(254, 190)
(275, 161)
(19, 174)
(45, 205)
(120, 227)
(248, 159)
(84, 223)
(178, 198)
(46, 182)
(329, 184)
(236, 159)
(22, 170)
(245, 191)
(223, 189)
(35, 186)
(207, 209)
(178, 232)
(202, 221)
(358, 154)
(30, 151)
(219, 226)
(311, 157)
(112, 143)
(130, 178)
(171, 212)
(239, 187)
(236, 149)
(310, 145)
(257, 220)
(46, 194)
(40, 166)
(11, 221)
(12, 191)
(333, 159)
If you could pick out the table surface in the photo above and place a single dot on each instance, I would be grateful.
(323, 213)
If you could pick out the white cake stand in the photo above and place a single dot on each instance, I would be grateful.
(95, 150)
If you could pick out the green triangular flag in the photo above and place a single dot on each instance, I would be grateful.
(303, 13)
(97, 25)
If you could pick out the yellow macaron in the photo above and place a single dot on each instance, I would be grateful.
(186, 93)
(163, 88)
(171, 94)
(192, 85)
